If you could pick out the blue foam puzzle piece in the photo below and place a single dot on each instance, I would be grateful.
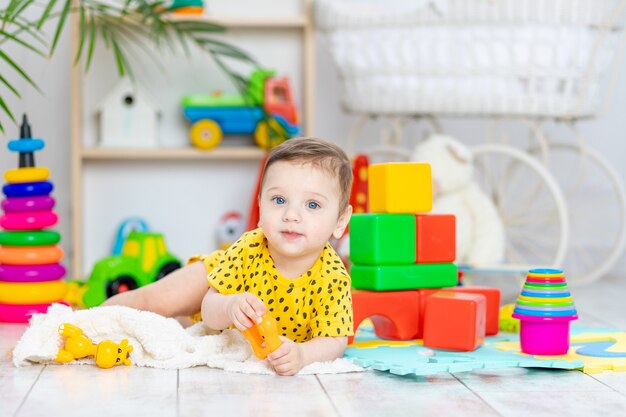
(598, 349)
(415, 359)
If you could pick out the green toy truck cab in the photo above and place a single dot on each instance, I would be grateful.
(144, 259)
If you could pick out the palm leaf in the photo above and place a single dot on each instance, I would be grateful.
(92, 43)
(9, 86)
(6, 109)
(17, 40)
(81, 35)
(46, 13)
(132, 34)
(9, 12)
(192, 26)
(62, 18)
(18, 69)
(120, 59)
(20, 6)
(124, 26)
(25, 26)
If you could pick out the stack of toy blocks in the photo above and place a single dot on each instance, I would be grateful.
(403, 256)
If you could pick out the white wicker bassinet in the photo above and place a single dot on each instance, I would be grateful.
(544, 58)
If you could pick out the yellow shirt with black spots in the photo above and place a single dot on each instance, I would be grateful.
(317, 303)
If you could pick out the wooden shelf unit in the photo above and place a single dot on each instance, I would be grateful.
(81, 155)
(232, 153)
(295, 22)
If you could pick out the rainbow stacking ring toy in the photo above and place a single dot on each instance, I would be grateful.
(20, 313)
(31, 174)
(27, 189)
(31, 274)
(29, 238)
(545, 308)
(30, 220)
(26, 145)
(22, 204)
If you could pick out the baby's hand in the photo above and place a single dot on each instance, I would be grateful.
(245, 310)
(287, 359)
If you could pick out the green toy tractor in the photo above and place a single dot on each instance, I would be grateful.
(144, 259)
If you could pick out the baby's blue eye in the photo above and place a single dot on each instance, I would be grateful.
(312, 205)
(279, 200)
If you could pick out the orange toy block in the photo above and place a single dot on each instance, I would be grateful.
(455, 321)
(395, 314)
(435, 236)
(492, 294)
(400, 187)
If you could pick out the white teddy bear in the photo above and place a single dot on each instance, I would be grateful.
(480, 236)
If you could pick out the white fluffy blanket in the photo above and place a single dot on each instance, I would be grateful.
(157, 341)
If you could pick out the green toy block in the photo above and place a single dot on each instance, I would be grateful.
(382, 239)
(403, 277)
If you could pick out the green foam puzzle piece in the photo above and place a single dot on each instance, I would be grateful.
(382, 239)
(403, 277)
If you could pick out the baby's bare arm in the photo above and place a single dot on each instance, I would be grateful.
(320, 349)
(178, 294)
(290, 357)
(220, 311)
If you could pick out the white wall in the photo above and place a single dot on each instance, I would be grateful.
(185, 199)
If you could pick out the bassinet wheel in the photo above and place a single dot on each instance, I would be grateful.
(596, 202)
(530, 203)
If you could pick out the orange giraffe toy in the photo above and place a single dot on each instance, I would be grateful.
(106, 353)
(263, 337)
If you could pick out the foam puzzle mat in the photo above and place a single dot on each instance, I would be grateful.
(591, 350)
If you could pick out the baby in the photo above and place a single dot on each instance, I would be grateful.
(285, 268)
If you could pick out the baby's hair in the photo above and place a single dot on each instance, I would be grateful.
(320, 153)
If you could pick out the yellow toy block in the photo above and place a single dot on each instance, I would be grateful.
(400, 187)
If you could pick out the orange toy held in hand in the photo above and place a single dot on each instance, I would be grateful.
(106, 353)
(263, 337)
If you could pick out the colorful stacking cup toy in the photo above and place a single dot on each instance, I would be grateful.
(31, 275)
(545, 308)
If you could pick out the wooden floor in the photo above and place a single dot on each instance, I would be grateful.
(86, 390)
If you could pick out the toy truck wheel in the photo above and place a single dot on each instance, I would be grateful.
(120, 284)
(205, 134)
(167, 269)
(269, 135)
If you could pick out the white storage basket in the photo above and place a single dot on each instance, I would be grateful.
(544, 58)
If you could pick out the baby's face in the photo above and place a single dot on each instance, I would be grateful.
(299, 209)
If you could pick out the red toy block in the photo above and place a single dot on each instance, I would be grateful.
(492, 326)
(395, 314)
(435, 238)
(455, 321)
